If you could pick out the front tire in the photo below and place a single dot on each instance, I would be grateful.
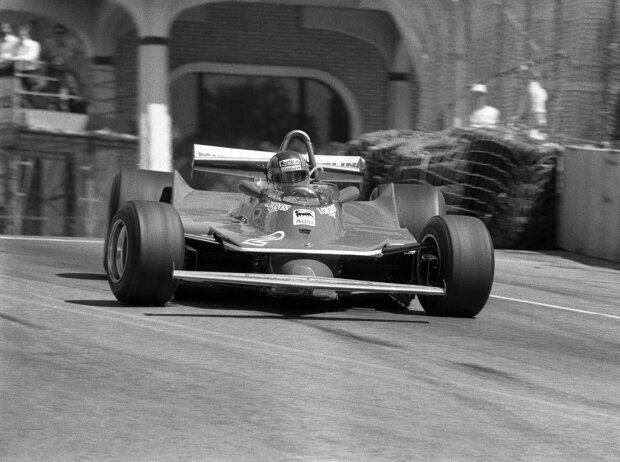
(135, 185)
(144, 245)
(463, 259)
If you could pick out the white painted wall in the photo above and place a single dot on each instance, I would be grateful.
(589, 220)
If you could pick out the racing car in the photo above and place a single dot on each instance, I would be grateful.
(295, 226)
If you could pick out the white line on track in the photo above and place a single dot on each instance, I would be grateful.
(51, 239)
(555, 307)
(499, 297)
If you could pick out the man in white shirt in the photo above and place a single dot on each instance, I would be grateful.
(26, 58)
(483, 116)
(538, 107)
(27, 51)
(7, 49)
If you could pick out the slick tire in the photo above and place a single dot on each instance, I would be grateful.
(466, 263)
(416, 204)
(145, 244)
(136, 185)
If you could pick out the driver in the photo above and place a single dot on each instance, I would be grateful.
(287, 169)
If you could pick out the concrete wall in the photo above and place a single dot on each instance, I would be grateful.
(57, 184)
(589, 220)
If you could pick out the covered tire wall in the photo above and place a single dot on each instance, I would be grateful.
(464, 259)
(500, 176)
(145, 244)
(138, 185)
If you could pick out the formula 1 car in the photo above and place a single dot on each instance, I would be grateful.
(307, 238)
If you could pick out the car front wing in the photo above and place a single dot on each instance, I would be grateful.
(305, 283)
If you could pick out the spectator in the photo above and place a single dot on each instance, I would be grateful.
(7, 49)
(532, 109)
(483, 116)
(62, 52)
(26, 57)
(537, 97)
(70, 99)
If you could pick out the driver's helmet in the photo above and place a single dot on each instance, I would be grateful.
(288, 168)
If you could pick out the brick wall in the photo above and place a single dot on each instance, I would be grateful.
(584, 86)
(265, 34)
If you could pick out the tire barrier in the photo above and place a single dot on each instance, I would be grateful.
(501, 177)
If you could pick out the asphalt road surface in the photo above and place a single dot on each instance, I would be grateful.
(232, 375)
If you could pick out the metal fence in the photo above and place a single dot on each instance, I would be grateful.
(574, 47)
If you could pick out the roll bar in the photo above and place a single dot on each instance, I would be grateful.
(306, 139)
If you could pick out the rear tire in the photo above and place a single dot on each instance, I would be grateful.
(135, 185)
(415, 204)
(463, 259)
(144, 245)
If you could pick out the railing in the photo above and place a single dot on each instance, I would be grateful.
(39, 105)
(19, 94)
(45, 103)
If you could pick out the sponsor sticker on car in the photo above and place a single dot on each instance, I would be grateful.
(329, 210)
(303, 217)
(276, 207)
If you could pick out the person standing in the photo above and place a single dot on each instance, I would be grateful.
(532, 109)
(7, 49)
(538, 106)
(62, 53)
(26, 57)
(484, 115)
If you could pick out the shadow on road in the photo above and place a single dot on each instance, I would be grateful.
(84, 276)
(287, 316)
(286, 307)
(237, 300)
(583, 259)
(99, 303)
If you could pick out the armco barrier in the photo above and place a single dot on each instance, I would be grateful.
(589, 221)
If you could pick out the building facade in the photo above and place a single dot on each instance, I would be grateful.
(243, 73)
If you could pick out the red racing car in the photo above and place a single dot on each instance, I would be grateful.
(288, 232)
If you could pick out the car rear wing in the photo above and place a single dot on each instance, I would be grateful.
(206, 156)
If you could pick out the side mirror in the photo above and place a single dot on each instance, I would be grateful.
(348, 194)
(249, 188)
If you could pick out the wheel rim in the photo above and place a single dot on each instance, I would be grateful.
(117, 251)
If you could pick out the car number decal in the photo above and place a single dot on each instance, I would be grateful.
(262, 241)
(303, 217)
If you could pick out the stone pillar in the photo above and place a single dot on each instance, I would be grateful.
(153, 101)
(398, 101)
(460, 118)
(103, 97)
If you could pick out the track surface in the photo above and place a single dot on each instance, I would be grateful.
(238, 376)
